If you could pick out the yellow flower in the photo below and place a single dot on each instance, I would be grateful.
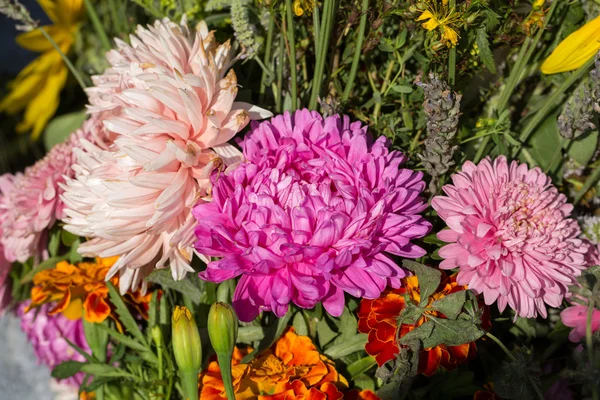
(300, 6)
(575, 50)
(442, 18)
(37, 87)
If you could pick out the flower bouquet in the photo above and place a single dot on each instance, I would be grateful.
(292, 199)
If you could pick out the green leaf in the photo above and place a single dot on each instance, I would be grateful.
(67, 369)
(97, 338)
(422, 332)
(544, 142)
(451, 305)
(429, 279)
(356, 343)
(364, 382)
(361, 366)
(123, 339)
(54, 243)
(249, 334)
(125, 316)
(61, 127)
(324, 332)
(485, 54)
(185, 286)
(103, 370)
(299, 324)
(452, 332)
(272, 334)
(48, 264)
(347, 328)
(406, 89)
(583, 148)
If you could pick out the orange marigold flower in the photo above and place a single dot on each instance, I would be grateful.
(379, 319)
(290, 369)
(80, 290)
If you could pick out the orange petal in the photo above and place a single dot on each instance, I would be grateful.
(96, 308)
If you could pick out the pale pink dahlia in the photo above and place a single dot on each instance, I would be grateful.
(510, 235)
(310, 215)
(169, 101)
(575, 317)
(47, 334)
(31, 201)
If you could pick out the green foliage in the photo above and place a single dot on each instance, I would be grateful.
(61, 127)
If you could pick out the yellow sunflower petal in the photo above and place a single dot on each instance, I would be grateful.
(35, 40)
(69, 12)
(49, 7)
(575, 50)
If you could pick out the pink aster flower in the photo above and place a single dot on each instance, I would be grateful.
(575, 317)
(31, 201)
(310, 215)
(511, 236)
(169, 101)
(47, 334)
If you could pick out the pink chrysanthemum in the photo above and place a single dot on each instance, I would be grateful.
(31, 201)
(575, 317)
(310, 215)
(510, 235)
(170, 103)
(47, 334)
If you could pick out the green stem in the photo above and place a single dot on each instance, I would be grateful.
(225, 366)
(357, 51)
(384, 85)
(65, 59)
(324, 35)
(589, 182)
(452, 54)
(589, 343)
(292, 53)
(514, 359)
(278, 90)
(316, 28)
(97, 25)
(114, 15)
(189, 385)
(267, 60)
(159, 356)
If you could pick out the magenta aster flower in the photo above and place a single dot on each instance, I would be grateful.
(169, 99)
(310, 215)
(511, 236)
(31, 201)
(47, 334)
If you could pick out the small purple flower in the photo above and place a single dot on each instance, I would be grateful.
(310, 215)
(47, 334)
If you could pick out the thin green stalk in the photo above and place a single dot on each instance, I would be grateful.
(514, 359)
(116, 17)
(267, 59)
(551, 103)
(589, 343)
(317, 28)
(278, 90)
(589, 182)
(68, 62)
(97, 25)
(357, 51)
(155, 13)
(292, 56)
(225, 365)
(452, 55)
(384, 85)
(159, 356)
(324, 35)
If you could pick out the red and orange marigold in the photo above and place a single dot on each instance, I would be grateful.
(290, 369)
(379, 319)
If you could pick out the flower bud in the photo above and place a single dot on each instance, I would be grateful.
(222, 328)
(187, 347)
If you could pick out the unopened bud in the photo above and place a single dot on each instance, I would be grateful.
(222, 328)
(187, 346)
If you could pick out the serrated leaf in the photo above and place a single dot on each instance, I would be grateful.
(452, 333)
(450, 305)
(123, 339)
(583, 148)
(356, 343)
(125, 316)
(67, 369)
(61, 127)
(347, 328)
(429, 279)
(325, 333)
(185, 286)
(421, 332)
(96, 338)
(485, 54)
